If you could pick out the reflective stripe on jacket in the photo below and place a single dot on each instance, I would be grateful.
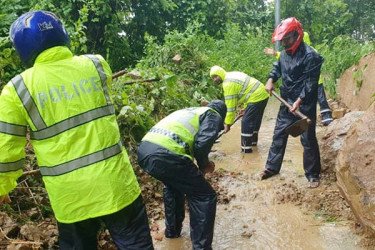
(239, 88)
(65, 100)
(176, 132)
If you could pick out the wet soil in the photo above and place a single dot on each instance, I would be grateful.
(278, 213)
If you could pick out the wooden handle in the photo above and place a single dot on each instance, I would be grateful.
(297, 112)
(236, 119)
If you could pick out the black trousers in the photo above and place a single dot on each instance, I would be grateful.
(311, 155)
(325, 110)
(250, 124)
(128, 228)
(181, 177)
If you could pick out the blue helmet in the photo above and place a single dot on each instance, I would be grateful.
(36, 31)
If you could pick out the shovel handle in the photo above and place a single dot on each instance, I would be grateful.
(297, 112)
(222, 132)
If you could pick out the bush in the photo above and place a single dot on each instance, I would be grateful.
(339, 55)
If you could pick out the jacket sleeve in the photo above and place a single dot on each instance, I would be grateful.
(210, 123)
(231, 100)
(12, 139)
(275, 73)
(313, 63)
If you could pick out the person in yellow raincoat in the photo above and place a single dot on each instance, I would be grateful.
(239, 88)
(65, 101)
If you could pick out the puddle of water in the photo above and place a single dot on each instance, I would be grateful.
(253, 220)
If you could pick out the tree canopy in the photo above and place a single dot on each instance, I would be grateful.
(117, 29)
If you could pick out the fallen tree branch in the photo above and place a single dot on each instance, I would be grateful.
(120, 73)
(33, 197)
(147, 80)
(12, 241)
(31, 172)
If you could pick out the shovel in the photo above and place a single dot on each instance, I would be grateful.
(298, 127)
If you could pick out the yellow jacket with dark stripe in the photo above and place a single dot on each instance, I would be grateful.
(65, 100)
(239, 88)
(177, 131)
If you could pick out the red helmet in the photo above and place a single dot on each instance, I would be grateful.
(285, 27)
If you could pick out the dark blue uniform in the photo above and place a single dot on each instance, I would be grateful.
(300, 76)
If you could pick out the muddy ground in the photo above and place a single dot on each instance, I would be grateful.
(278, 213)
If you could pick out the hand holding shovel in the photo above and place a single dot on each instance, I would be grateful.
(223, 131)
(298, 127)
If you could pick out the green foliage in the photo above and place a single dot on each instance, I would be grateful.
(192, 69)
(362, 23)
(186, 81)
(94, 26)
(251, 16)
(213, 15)
(323, 19)
(9, 60)
(142, 104)
(340, 55)
(184, 44)
(241, 52)
(156, 18)
(358, 79)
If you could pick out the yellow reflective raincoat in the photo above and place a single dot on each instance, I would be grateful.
(65, 100)
(177, 131)
(239, 88)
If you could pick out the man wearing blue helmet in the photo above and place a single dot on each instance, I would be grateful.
(65, 100)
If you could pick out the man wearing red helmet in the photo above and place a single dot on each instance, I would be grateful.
(325, 110)
(299, 68)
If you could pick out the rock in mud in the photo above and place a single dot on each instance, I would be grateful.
(332, 138)
(355, 169)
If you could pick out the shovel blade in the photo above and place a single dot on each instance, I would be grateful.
(297, 128)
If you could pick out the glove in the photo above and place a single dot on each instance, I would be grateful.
(4, 198)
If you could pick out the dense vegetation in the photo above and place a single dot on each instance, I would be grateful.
(144, 36)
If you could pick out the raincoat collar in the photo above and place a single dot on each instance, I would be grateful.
(53, 54)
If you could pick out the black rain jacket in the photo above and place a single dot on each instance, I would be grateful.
(300, 76)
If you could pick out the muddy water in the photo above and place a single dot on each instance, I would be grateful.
(254, 219)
